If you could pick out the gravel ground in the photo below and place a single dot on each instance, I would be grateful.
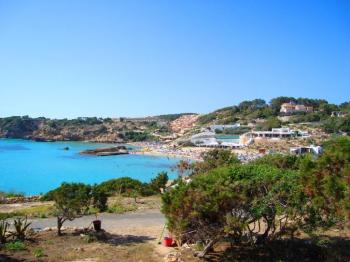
(145, 222)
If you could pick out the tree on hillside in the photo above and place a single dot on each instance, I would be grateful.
(328, 179)
(71, 201)
(271, 122)
(280, 161)
(252, 105)
(215, 158)
(159, 182)
(345, 106)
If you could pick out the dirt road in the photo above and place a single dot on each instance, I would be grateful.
(145, 222)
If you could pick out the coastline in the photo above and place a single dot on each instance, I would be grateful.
(53, 164)
(166, 150)
(141, 148)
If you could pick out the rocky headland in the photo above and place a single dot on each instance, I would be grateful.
(109, 151)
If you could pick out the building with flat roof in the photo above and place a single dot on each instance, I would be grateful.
(300, 150)
(291, 107)
(283, 132)
(209, 139)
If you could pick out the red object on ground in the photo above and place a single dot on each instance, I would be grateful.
(168, 241)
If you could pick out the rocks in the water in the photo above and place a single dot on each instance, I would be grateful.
(109, 151)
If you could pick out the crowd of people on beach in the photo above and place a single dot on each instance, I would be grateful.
(162, 149)
(190, 153)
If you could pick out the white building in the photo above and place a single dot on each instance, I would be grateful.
(300, 150)
(208, 139)
(213, 128)
(283, 132)
(291, 107)
(204, 138)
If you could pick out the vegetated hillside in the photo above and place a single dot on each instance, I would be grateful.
(89, 128)
(172, 117)
(81, 129)
(269, 114)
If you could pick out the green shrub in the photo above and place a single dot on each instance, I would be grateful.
(121, 186)
(15, 246)
(119, 208)
(159, 182)
(21, 226)
(38, 252)
(99, 198)
(267, 199)
(13, 194)
(71, 201)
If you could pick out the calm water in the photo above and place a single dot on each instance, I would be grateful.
(228, 138)
(37, 167)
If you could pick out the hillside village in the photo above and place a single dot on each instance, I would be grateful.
(251, 128)
(274, 133)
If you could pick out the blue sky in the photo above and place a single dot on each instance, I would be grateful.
(136, 58)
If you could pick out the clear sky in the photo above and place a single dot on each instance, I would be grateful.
(146, 57)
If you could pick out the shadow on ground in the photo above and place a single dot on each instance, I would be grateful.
(318, 250)
(5, 258)
(114, 239)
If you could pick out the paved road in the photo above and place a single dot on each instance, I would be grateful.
(146, 222)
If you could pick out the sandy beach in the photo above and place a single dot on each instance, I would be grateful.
(158, 149)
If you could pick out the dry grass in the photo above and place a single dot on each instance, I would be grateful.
(47, 246)
(119, 204)
(38, 211)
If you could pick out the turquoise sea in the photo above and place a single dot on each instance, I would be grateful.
(36, 167)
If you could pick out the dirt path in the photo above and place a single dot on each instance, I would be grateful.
(143, 223)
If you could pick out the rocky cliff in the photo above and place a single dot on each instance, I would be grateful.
(81, 129)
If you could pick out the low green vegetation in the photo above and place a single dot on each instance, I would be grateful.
(73, 200)
(12, 238)
(15, 246)
(136, 136)
(120, 208)
(249, 111)
(39, 252)
(11, 194)
(172, 117)
(41, 211)
(272, 198)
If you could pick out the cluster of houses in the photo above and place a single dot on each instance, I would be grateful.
(292, 107)
(209, 138)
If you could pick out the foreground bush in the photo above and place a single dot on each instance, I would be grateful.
(261, 201)
(71, 201)
(236, 202)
